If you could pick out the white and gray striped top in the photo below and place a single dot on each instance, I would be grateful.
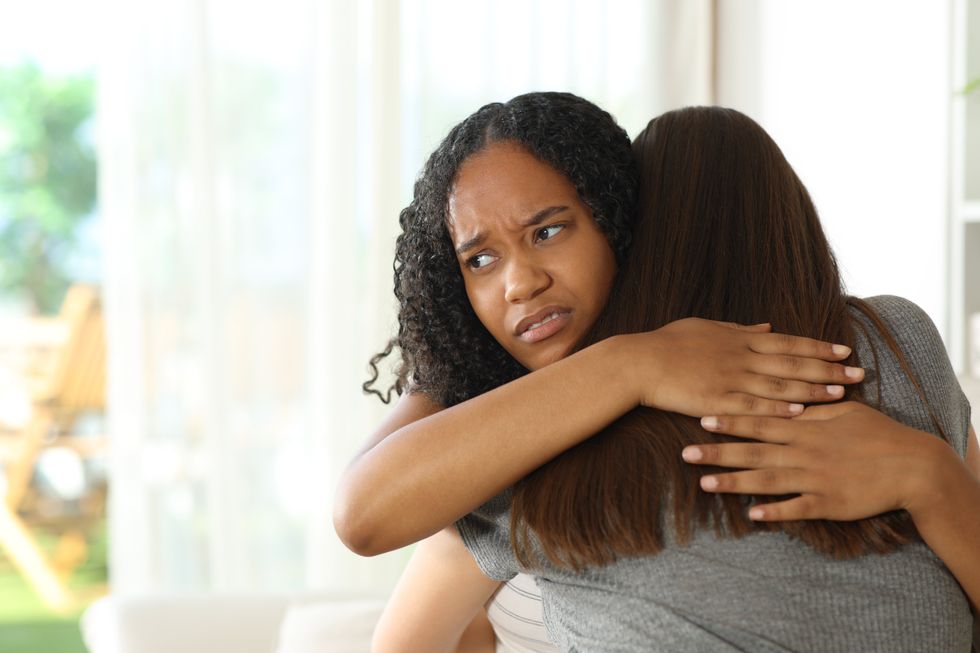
(517, 619)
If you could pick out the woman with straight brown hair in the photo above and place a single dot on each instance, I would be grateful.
(631, 555)
(727, 232)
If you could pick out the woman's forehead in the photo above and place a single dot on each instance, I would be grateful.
(504, 186)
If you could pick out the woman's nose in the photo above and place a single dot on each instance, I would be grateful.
(525, 280)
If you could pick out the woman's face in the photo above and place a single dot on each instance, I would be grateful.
(536, 266)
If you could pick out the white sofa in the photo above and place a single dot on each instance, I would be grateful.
(230, 623)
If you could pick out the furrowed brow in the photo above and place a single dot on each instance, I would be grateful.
(467, 245)
(532, 221)
(543, 215)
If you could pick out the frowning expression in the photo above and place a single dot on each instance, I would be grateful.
(537, 269)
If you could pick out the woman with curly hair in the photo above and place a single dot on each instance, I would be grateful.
(622, 506)
(471, 387)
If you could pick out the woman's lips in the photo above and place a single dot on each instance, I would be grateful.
(546, 328)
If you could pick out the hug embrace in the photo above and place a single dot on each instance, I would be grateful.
(638, 411)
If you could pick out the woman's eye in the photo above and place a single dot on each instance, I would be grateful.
(549, 232)
(479, 261)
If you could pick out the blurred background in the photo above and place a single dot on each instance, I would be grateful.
(198, 206)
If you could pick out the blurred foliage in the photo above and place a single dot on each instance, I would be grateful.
(971, 86)
(27, 625)
(47, 179)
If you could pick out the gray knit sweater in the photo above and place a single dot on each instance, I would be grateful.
(766, 592)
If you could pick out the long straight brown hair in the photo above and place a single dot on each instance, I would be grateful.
(725, 231)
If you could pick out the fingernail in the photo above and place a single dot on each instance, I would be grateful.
(841, 350)
(692, 454)
(756, 513)
(853, 372)
(835, 389)
(796, 409)
(709, 422)
(709, 482)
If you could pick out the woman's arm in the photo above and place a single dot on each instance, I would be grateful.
(425, 468)
(849, 461)
(438, 603)
(947, 514)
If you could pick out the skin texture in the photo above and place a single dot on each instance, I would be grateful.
(522, 235)
(419, 618)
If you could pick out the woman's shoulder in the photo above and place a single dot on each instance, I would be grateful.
(895, 306)
(901, 313)
(923, 354)
(905, 321)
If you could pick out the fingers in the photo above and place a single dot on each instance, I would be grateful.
(745, 456)
(776, 387)
(782, 343)
(806, 506)
(758, 427)
(740, 403)
(765, 327)
(757, 481)
(801, 368)
(829, 411)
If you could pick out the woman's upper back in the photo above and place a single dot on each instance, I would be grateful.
(765, 591)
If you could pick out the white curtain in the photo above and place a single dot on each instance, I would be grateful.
(254, 157)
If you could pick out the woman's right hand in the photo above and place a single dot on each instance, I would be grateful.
(701, 367)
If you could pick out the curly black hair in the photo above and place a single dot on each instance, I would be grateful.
(445, 350)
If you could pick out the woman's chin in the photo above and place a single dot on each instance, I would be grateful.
(544, 354)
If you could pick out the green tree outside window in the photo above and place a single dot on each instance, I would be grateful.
(47, 180)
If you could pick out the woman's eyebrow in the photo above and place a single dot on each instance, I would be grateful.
(532, 221)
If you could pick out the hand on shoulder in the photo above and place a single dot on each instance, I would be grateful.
(703, 367)
(846, 461)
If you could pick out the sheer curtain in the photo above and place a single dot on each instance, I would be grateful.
(254, 156)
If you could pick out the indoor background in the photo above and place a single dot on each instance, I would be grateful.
(252, 158)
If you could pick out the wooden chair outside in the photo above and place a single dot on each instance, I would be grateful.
(71, 384)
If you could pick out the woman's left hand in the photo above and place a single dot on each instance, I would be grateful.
(846, 461)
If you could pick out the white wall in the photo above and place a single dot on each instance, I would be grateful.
(857, 95)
